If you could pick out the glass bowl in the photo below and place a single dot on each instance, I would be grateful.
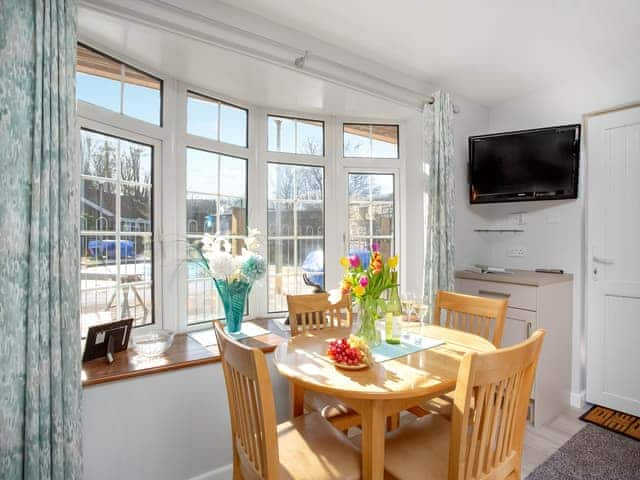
(152, 342)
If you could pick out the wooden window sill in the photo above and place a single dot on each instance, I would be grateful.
(185, 352)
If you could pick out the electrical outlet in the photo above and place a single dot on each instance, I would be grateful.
(516, 252)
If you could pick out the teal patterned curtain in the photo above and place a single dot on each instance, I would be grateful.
(39, 309)
(439, 197)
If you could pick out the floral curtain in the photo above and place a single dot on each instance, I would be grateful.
(39, 309)
(439, 197)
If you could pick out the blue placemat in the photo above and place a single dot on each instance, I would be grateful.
(387, 351)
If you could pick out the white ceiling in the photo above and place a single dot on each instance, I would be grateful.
(488, 50)
(227, 74)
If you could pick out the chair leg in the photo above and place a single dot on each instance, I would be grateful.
(237, 474)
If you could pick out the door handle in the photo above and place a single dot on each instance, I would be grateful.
(604, 260)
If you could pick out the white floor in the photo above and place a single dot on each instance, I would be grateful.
(541, 442)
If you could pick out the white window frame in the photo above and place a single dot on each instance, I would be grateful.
(326, 161)
(185, 140)
(372, 165)
(170, 141)
(106, 121)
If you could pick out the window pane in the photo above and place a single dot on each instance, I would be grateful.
(280, 219)
(281, 135)
(203, 303)
(202, 171)
(291, 135)
(135, 207)
(381, 187)
(372, 141)
(371, 212)
(384, 141)
(202, 116)
(233, 125)
(100, 80)
(98, 206)
(359, 187)
(99, 91)
(295, 218)
(216, 203)
(135, 162)
(382, 218)
(357, 141)
(359, 220)
(310, 137)
(116, 278)
(202, 211)
(98, 154)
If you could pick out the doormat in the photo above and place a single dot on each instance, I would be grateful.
(627, 425)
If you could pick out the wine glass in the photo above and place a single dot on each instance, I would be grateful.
(408, 304)
(422, 311)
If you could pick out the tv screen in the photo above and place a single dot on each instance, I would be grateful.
(539, 164)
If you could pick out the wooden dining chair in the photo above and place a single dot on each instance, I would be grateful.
(313, 312)
(478, 315)
(307, 447)
(484, 438)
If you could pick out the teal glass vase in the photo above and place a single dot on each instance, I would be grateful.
(234, 298)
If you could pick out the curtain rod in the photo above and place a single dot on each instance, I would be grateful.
(454, 107)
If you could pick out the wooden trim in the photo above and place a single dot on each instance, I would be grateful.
(185, 352)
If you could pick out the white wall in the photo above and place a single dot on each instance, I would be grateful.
(473, 119)
(554, 234)
(168, 426)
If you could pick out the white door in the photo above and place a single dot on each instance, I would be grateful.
(613, 260)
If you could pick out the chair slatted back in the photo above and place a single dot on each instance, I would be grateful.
(490, 411)
(479, 315)
(315, 311)
(251, 407)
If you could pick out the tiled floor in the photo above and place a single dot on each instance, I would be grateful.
(541, 442)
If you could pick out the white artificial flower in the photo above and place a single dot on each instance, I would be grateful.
(221, 264)
(335, 295)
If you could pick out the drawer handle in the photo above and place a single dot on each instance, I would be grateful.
(497, 294)
(529, 329)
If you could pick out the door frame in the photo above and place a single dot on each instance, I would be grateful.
(588, 254)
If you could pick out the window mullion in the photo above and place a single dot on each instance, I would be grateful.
(118, 235)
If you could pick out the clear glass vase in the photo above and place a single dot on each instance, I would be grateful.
(234, 298)
(368, 316)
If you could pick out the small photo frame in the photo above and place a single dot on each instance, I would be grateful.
(106, 339)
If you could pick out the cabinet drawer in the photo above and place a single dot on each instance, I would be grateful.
(519, 296)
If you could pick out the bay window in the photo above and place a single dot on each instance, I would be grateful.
(164, 163)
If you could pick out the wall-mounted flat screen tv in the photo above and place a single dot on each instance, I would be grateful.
(540, 164)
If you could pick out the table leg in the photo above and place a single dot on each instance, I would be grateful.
(374, 424)
(297, 400)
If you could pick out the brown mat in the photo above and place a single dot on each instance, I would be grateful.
(627, 425)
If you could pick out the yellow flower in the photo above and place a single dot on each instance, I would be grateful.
(358, 290)
(393, 261)
(344, 261)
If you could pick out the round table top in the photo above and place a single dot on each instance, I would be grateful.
(302, 359)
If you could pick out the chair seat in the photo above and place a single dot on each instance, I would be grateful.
(311, 449)
(419, 450)
(442, 405)
(338, 413)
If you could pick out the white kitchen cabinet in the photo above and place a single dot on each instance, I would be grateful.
(536, 300)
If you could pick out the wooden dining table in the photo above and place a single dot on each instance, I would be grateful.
(380, 391)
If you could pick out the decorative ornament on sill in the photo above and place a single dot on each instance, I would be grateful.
(233, 274)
